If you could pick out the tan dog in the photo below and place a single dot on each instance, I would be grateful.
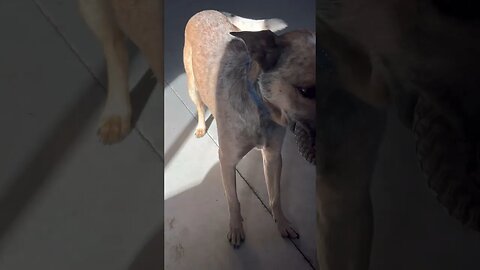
(254, 85)
(113, 21)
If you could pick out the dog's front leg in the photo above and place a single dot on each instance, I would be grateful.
(228, 162)
(116, 116)
(272, 166)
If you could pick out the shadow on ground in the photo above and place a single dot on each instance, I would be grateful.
(151, 255)
(196, 223)
(61, 139)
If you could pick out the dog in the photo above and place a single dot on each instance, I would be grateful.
(113, 21)
(255, 83)
(420, 56)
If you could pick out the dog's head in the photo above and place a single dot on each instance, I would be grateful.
(286, 76)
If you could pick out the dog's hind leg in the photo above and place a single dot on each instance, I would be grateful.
(272, 166)
(192, 91)
(201, 128)
(142, 22)
(116, 116)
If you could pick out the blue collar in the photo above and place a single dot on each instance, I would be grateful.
(255, 96)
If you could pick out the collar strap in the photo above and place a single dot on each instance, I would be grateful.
(255, 95)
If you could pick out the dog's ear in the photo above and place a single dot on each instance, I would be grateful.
(263, 47)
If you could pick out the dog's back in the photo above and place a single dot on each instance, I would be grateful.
(207, 35)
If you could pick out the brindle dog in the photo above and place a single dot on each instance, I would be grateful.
(255, 84)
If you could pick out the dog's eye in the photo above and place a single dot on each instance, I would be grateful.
(307, 92)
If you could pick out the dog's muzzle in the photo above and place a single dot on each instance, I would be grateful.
(305, 138)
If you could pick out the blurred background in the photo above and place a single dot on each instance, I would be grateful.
(66, 200)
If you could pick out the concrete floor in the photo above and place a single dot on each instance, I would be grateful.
(196, 213)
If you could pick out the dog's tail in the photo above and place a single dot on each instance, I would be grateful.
(245, 24)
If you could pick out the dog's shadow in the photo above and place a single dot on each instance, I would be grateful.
(193, 249)
(141, 93)
(151, 255)
(209, 121)
(197, 224)
(17, 194)
(183, 136)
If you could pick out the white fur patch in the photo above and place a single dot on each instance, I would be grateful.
(312, 39)
(245, 24)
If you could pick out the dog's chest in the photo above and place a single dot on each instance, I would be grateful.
(260, 135)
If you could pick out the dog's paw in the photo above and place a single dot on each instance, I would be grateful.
(113, 129)
(236, 235)
(286, 229)
(200, 132)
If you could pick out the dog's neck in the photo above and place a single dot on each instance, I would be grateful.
(253, 72)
